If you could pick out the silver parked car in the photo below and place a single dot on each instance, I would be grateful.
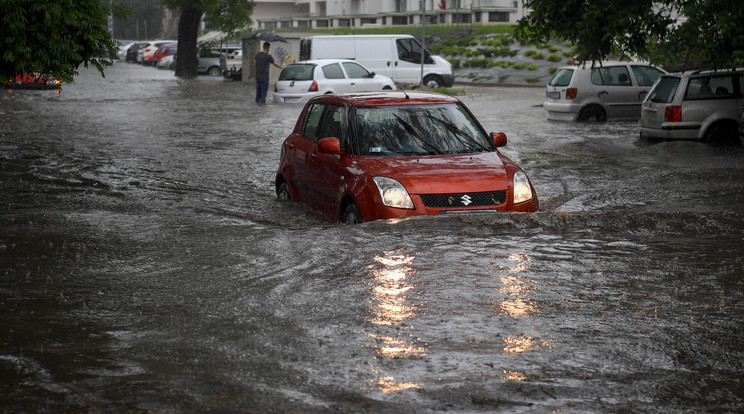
(705, 105)
(608, 90)
(301, 81)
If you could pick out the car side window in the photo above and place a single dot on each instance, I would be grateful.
(333, 71)
(333, 123)
(646, 75)
(312, 122)
(611, 76)
(710, 87)
(355, 70)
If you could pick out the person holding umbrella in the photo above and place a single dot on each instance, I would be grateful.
(261, 61)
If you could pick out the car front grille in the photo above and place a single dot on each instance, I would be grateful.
(462, 200)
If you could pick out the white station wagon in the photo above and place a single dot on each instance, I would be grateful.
(301, 81)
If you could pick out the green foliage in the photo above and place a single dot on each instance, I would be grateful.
(532, 80)
(553, 69)
(554, 58)
(454, 62)
(54, 37)
(710, 33)
(538, 55)
(533, 66)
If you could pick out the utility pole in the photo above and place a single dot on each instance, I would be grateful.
(423, 37)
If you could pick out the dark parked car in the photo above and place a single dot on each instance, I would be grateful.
(379, 155)
(132, 52)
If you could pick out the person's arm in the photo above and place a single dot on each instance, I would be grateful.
(279, 66)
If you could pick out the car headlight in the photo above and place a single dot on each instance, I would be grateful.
(522, 189)
(393, 193)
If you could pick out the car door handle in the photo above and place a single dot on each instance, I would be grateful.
(600, 93)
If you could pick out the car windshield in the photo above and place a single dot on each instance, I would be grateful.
(417, 130)
(297, 72)
(664, 90)
(561, 78)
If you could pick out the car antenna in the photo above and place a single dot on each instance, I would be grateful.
(401, 89)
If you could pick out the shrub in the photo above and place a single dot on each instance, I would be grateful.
(532, 80)
(552, 69)
(538, 55)
(533, 66)
(554, 58)
(502, 78)
(454, 62)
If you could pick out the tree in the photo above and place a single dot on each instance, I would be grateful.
(54, 37)
(708, 33)
(228, 16)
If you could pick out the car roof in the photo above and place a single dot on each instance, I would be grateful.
(604, 63)
(323, 61)
(706, 72)
(387, 98)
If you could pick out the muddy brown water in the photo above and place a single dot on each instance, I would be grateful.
(145, 266)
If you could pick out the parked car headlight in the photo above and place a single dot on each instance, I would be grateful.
(393, 193)
(522, 189)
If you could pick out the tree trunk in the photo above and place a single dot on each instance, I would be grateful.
(188, 30)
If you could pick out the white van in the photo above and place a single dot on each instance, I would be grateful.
(396, 56)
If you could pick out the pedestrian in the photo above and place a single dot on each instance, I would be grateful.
(262, 61)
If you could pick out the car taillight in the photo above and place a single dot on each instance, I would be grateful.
(571, 93)
(673, 114)
(275, 88)
(313, 87)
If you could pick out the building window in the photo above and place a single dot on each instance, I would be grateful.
(401, 20)
(400, 5)
(368, 20)
(441, 18)
(461, 18)
(285, 24)
(321, 23)
(344, 22)
(477, 17)
(303, 23)
(498, 17)
(384, 20)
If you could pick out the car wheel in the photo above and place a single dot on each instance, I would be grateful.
(433, 82)
(351, 215)
(214, 71)
(387, 88)
(722, 133)
(282, 192)
(592, 113)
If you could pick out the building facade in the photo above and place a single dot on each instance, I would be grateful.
(326, 14)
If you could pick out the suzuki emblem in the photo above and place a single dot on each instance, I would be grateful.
(465, 199)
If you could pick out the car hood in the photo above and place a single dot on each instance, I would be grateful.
(442, 174)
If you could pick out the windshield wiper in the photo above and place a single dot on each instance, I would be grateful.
(458, 133)
(413, 132)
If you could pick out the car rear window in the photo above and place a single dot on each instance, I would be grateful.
(562, 77)
(646, 75)
(611, 76)
(297, 72)
(665, 90)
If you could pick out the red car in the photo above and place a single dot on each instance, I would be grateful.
(33, 81)
(163, 51)
(365, 157)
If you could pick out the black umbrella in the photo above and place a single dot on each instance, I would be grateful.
(268, 37)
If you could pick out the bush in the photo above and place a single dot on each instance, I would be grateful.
(454, 62)
(533, 67)
(538, 55)
(532, 80)
(554, 58)
(552, 69)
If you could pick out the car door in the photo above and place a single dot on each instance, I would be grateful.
(335, 79)
(299, 149)
(617, 92)
(359, 78)
(325, 169)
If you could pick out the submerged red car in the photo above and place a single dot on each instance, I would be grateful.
(364, 157)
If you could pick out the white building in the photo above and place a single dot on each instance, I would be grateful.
(317, 14)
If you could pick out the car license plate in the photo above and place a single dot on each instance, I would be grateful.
(554, 95)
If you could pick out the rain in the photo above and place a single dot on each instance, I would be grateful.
(146, 266)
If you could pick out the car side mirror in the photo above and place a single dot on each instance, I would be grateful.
(499, 139)
(372, 74)
(329, 145)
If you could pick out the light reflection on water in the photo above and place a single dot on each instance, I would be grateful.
(391, 286)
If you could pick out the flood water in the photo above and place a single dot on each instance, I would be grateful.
(146, 266)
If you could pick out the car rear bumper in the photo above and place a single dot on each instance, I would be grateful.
(672, 131)
(558, 111)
